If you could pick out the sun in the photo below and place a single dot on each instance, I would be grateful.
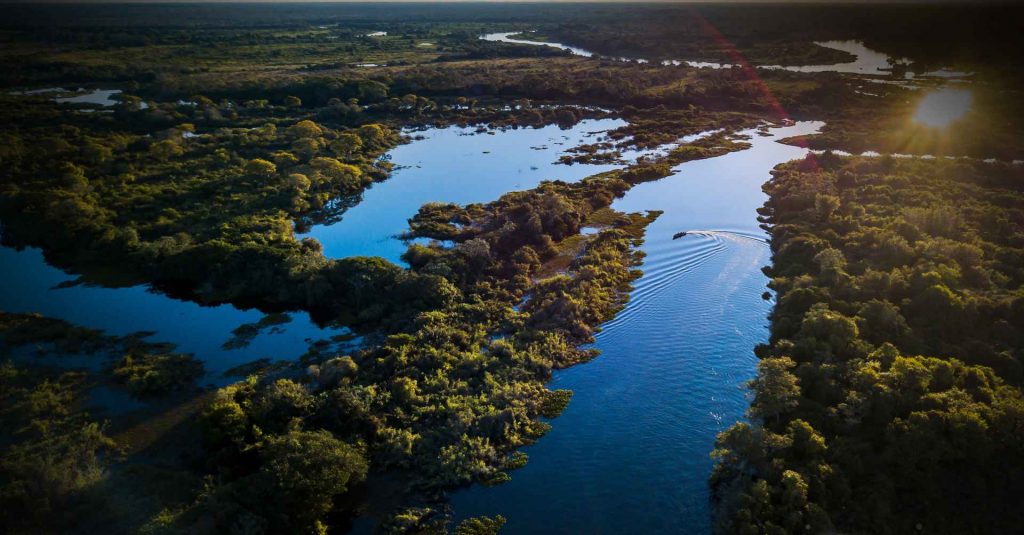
(941, 108)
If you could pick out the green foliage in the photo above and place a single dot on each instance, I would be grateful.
(304, 471)
(25, 329)
(481, 525)
(260, 168)
(452, 383)
(51, 453)
(555, 402)
(776, 389)
(277, 475)
(148, 375)
(210, 216)
(448, 397)
(888, 400)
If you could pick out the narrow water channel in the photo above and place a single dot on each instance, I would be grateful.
(866, 61)
(631, 452)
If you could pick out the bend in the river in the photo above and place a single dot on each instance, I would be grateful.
(867, 62)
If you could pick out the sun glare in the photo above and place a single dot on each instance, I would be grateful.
(941, 108)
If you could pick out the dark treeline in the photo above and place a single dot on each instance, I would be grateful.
(934, 35)
(888, 400)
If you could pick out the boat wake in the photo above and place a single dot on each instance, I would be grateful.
(685, 233)
(665, 266)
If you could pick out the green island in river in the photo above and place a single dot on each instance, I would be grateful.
(182, 157)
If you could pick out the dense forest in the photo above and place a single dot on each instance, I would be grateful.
(889, 397)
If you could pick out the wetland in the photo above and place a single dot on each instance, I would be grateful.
(530, 269)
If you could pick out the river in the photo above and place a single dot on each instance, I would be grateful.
(630, 453)
(441, 164)
(866, 62)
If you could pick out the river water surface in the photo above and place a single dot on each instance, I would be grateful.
(630, 453)
(866, 62)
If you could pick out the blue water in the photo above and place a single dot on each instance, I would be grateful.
(456, 165)
(630, 453)
(449, 164)
(28, 284)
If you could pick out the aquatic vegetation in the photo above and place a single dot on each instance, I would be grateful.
(52, 452)
(25, 329)
(147, 375)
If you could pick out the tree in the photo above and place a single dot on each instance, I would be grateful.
(825, 206)
(277, 404)
(480, 525)
(260, 168)
(166, 149)
(299, 181)
(73, 177)
(347, 145)
(95, 153)
(880, 321)
(776, 389)
(830, 260)
(292, 101)
(305, 129)
(343, 174)
(284, 158)
(268, 131)
(939, 310)
(825, 334)
(374, 136)
(303, 471)
(306, 147)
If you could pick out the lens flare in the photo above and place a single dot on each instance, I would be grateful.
(941, 108)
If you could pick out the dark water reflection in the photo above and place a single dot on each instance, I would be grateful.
(28, 284)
